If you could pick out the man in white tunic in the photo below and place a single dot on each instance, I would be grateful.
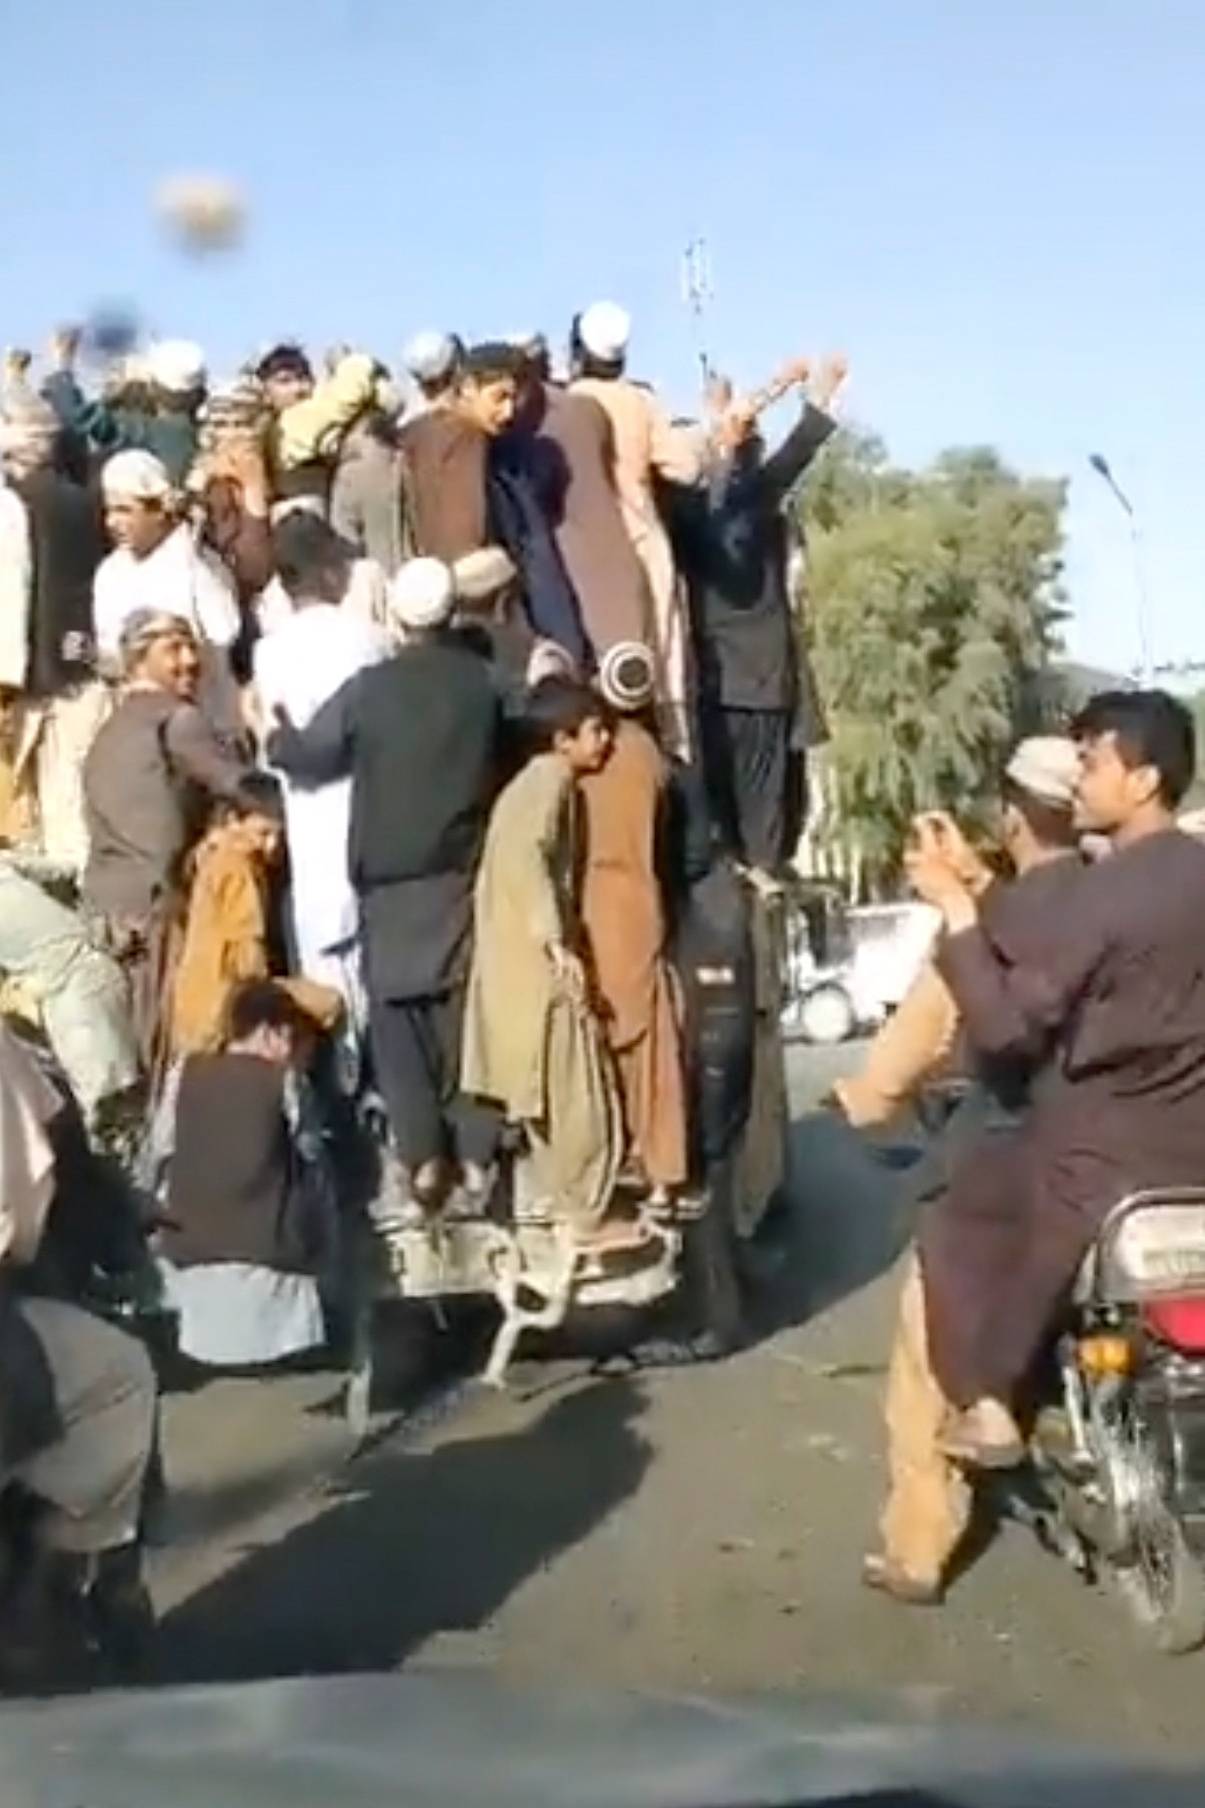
(157, 564)
(312, 651)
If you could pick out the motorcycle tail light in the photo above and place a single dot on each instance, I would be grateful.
(1178, 1322)
(1104, 1354)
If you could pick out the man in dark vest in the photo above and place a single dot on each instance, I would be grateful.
(420, 737)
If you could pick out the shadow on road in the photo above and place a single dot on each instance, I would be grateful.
(845, 1221)
(411, 1545)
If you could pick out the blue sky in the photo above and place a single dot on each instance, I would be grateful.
(994, 209)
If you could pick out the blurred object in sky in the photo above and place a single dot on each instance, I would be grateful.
(202, 213)
(110, 331)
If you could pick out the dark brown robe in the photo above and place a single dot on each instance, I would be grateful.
(972, 1219)
(1120, 987)
(574, 464)
(443, 467)
(624, 922)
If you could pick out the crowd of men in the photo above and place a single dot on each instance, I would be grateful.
(352, 743)
(359, 753)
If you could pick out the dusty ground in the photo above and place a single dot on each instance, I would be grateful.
(697, 1530)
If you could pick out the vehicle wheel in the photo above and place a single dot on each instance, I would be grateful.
(826, 1016)
(1164, 1587)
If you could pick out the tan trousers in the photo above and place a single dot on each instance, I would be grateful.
(928, 1504)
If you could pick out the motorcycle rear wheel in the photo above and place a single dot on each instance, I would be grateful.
(1164, 1586)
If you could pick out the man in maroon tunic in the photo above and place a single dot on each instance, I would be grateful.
(1120, 988)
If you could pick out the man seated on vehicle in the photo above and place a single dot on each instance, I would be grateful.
(1119, 989)
(77, 1414)
(967, 1191)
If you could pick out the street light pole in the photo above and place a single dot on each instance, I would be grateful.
(1100, 465)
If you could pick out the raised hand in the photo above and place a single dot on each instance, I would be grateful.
(830, 380)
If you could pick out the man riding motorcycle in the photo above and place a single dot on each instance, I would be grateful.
(1117, 990)
(966, 1191)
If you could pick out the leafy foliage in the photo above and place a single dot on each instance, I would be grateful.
(933, 606)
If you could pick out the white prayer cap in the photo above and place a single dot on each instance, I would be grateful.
(482, 573)
(627, 676)
(176, 365)
(422, 595)
(548, 659)
(604, 330)
(430, 356)
(1047, 768)
(295, 505)
(136, 476)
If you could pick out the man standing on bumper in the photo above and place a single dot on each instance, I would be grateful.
(419, 736)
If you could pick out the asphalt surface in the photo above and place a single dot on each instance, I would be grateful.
(696, 1530)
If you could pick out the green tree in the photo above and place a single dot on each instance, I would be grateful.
(933, 604)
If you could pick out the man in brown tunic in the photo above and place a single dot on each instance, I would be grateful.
(1121, 990)
(624, 921)
(570, 445)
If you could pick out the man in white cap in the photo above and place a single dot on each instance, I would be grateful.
(175, 370)
(150, 405)
(419, 735)
(969, 1225)
(157, 564)
(565, 445)
(433, 360)
(647, 449)
(314, 650)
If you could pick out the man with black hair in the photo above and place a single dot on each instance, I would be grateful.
(445, 456)
(1118, 993)
(532, 1044)
(310, 420)
(465, 488)
(286, 376)
(249, 1225)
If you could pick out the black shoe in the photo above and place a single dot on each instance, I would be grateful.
(121, 1614)
(45, 1644)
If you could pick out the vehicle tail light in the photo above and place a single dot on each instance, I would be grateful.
(1178, 1322)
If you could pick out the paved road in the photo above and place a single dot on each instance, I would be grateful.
(698, 1530)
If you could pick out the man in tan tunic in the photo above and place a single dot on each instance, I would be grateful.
(648, 448)
(531, 1042)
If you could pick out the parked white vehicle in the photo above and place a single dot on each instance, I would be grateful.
(848, 967)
